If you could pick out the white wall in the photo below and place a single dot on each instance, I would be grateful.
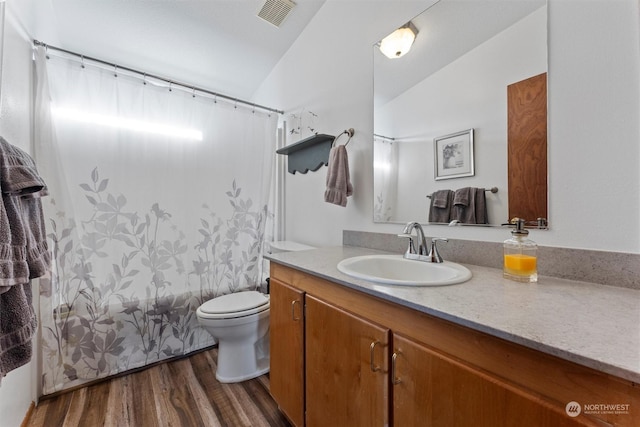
(594, 130)
(16, 391)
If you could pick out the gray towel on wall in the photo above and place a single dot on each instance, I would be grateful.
(441, 204)
(462, 196)
(470, 206)
(22, 230)
(338, 179)
(14, 269)
(481, 206)
(17, 326)
(23, 253)
(18, 173)
(38, 254)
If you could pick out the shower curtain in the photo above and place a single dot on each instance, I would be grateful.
(385, 179)
(158, 201)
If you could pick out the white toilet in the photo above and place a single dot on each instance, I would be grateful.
(240, 324)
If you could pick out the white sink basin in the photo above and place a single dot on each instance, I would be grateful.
(396, 270)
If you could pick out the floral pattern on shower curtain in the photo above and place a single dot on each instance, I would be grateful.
(144, 227)
(385, 179)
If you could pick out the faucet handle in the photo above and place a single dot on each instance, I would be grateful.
(411, 249)
(434, 255)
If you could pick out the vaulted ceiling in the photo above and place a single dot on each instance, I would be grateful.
(220, 45)
(224, 46)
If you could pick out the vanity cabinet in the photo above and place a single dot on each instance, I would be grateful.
(371, 362)
(346, 368)
(286, 343)
(431, 389)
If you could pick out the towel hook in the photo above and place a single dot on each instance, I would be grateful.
(350, 132)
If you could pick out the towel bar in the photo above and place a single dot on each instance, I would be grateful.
(492, 189)
(350, 132)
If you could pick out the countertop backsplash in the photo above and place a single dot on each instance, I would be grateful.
(606, 268)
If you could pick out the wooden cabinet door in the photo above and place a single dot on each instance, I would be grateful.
(346, 368)
(432, 390)
(527, 148)
(286, 341)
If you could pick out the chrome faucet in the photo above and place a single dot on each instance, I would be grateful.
(412, 252)
(420, 253)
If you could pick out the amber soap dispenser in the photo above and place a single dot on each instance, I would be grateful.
(520, 255)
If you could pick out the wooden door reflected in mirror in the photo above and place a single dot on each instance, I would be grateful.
(527, 148)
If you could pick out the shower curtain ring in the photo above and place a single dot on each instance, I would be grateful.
(81, 61)
(193, 95)
(115, 70)
(144, 79)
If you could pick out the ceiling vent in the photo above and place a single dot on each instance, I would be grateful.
(275, 11)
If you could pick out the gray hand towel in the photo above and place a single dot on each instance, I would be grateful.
(338, 180)
(17, 326)
(471, 207)
(481, 206)
(23, 247)
(462, 196)
(441, 203)
(18, 173)
(441, 198)
(38, 254)
(14, 269)
(23, 253)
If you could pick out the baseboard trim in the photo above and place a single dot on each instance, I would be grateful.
(27, 416)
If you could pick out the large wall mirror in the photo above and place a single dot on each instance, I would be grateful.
(449, 93)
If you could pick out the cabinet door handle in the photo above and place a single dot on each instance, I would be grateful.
(293, 310)
(394, 379)
(372, 347)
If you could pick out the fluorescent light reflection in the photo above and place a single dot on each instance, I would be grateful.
(124, 123)
(384, 166)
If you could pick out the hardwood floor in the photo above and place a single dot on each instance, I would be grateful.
(182, 393)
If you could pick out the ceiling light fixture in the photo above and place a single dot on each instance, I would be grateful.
(398, 43)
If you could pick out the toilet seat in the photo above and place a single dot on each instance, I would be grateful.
(239, 304)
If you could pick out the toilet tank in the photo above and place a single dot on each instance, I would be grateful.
(287, 246)
(283, 246)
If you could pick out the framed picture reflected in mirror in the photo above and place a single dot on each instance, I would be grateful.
(454, 155)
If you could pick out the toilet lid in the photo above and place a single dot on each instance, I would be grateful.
(238, 304)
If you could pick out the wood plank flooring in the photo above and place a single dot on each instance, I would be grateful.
(181, 393)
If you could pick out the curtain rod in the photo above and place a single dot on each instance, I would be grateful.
(375, 135)
(170, 82)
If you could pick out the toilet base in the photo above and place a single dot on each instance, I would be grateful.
(239, 361)
(260, 370)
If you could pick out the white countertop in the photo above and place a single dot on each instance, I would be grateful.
(592, 325)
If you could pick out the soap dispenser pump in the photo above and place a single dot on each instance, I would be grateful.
(520, 255)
